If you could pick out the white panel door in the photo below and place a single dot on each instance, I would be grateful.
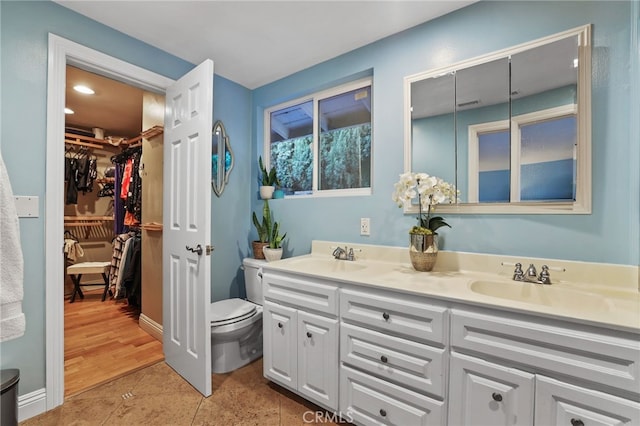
(318, 359)
(187, 227)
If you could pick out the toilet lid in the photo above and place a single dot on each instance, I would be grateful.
(231, 310)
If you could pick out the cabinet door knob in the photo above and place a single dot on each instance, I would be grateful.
(279, 325)
(383, 412)
(308, 334)
(383, 359)
(496, 396)
(385, 316)
(577, 422)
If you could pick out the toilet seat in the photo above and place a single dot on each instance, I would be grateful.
(230, 311)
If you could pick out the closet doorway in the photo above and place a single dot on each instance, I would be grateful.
(106, 339)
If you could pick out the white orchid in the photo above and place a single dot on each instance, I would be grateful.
(430, 190)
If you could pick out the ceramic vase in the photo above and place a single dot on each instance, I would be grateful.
(272, 254)
(266, 192)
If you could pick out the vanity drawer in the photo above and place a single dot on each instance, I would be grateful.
(407, 363)
(610, 358)
(305, 293)
(398, 314)
(367, 400)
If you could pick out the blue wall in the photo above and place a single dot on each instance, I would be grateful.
(464, 34)
(24, 37)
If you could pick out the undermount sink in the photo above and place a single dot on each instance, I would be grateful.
(315, 264)
(540, 294)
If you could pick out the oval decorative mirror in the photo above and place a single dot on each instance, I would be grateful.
(221, 158)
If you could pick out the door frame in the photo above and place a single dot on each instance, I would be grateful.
(63, 52)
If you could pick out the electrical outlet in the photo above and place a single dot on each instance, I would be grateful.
(365, 226)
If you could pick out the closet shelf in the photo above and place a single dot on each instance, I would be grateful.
(147, 134)
(151, 226)
(86, 220)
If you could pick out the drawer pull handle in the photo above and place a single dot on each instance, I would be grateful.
(577, 422)
(279, 325)
(385, 316)
(497, 397)
(383, 412)
(309, 334)
(383, 359)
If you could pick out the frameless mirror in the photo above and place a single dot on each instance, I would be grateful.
(221, 158)
(511, 129)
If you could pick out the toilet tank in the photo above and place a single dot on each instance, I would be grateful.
(253, 279)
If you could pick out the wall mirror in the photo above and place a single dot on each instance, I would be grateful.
(221, 158)
(511, 129)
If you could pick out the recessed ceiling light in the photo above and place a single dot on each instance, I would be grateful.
(68, 111)
(83, 89)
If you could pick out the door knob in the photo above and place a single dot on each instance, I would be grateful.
(496, 396)
(197, 250)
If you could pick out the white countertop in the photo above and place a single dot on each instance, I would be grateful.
(590, 293)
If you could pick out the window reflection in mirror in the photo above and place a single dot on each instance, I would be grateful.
(516, 137)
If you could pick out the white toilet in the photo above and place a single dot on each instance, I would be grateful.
(236, 324)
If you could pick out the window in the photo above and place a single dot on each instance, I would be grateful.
(321, 145)
(542, 148)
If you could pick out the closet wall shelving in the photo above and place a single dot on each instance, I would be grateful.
(88, 223)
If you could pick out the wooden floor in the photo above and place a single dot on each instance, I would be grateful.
(102, 341)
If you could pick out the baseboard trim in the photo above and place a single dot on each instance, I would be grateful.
(150, 326)
(32, 404)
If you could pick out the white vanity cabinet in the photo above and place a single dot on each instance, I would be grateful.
(300, 331)
(393, 359)
(511, 369)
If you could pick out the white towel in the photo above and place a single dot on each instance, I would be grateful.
(12, 321)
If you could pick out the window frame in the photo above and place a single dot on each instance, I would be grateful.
(315, 98)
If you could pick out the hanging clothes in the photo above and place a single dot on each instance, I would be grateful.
(129, 188)
(80, 172)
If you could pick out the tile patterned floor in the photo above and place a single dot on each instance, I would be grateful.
(156, 395)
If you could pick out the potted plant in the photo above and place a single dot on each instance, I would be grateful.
(268, 181)
(264, 231)
(274, 250)
(431, 191)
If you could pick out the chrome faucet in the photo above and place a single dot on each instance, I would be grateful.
(345, 253)
(340, 253)
(531, 275)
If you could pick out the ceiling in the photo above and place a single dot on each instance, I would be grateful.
(254, 43)
(251, 42)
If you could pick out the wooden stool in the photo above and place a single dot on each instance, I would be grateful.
(76, 271)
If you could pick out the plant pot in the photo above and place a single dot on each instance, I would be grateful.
(272, 254)
(258, 249)
(266, 192)
(423, 251)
